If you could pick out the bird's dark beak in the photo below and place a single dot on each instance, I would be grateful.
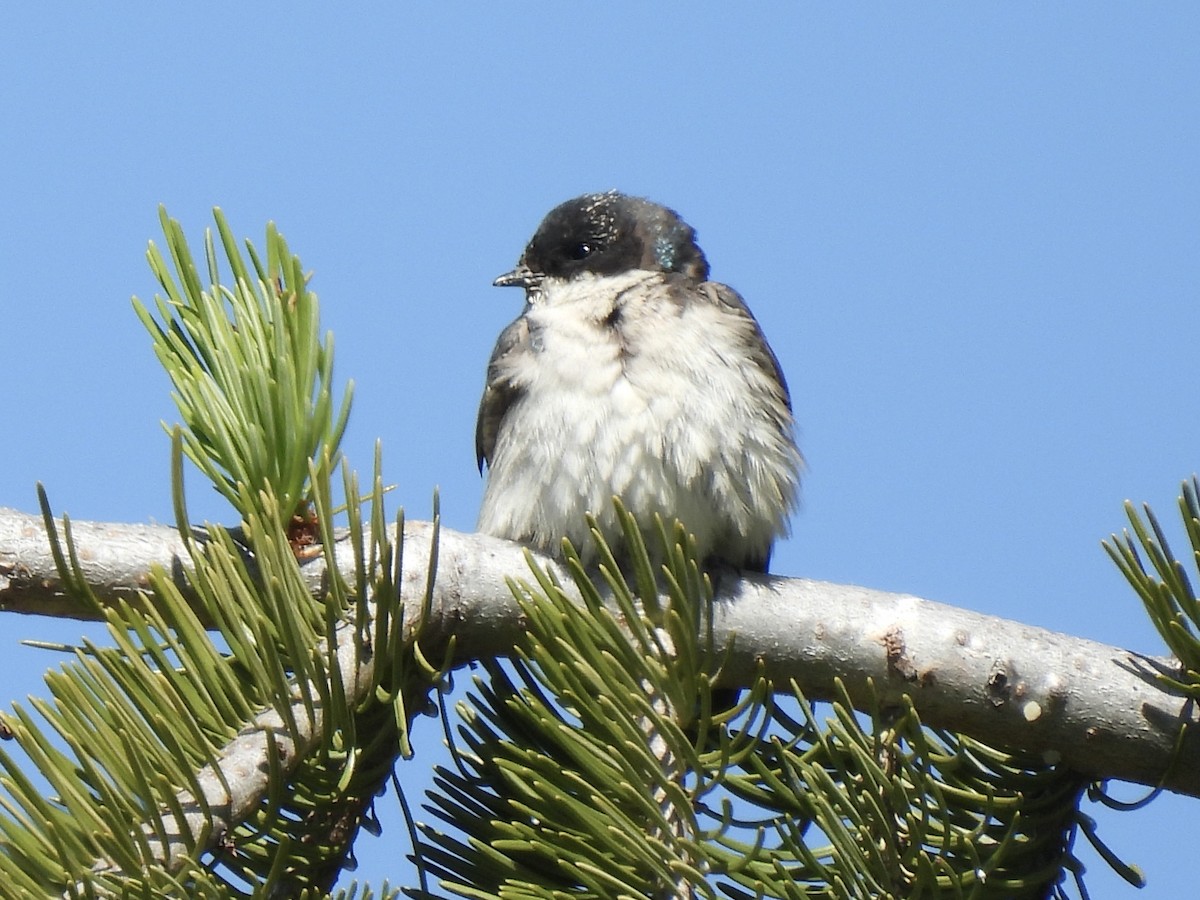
(521, 276)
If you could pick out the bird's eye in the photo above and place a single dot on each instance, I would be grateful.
(582, 250)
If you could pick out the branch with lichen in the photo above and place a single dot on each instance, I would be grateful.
(1094, 707)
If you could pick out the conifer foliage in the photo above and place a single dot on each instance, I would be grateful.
(231, 737)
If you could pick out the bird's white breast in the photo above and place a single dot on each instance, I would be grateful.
(648, 399)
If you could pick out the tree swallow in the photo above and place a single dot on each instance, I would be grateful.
(629, 373)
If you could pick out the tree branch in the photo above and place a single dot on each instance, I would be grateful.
(1094, 707)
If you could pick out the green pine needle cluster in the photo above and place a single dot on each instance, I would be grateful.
(1163, 586)
(253, 377)
(144, 742)
(590, 766)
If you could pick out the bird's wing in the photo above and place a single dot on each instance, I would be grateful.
(756, 342)
(761, 354)
(500, 391)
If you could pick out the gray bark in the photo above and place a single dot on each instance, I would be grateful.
(1090, 706)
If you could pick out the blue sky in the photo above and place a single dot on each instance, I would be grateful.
(970, 232)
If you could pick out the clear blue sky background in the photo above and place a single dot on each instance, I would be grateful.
(969, 230)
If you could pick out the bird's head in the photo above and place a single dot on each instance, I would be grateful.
(608, 234)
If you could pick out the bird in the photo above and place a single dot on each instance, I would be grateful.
(629, 373)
